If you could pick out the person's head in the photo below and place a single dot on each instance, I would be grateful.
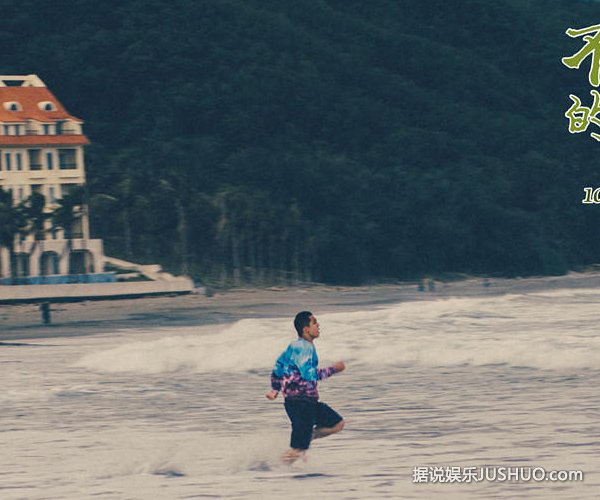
(306, 325)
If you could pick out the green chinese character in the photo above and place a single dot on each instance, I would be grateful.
(578, 115)
(581, 116)
(590, 48)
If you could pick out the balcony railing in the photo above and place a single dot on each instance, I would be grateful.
(64, 131)
(67, 165)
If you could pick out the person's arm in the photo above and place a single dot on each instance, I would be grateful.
(337, 367)
(275, 386)
(303, 359)
(326, 372)
(276, 377)
(275, 382)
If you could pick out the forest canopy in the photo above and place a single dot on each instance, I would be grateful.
(262, 141)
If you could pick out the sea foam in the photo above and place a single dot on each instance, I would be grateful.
(516, 330)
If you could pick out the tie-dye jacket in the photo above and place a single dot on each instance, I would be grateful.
(296, 373)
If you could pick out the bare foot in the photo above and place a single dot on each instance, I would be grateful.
(290, 456)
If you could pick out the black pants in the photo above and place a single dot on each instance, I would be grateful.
(305, 414)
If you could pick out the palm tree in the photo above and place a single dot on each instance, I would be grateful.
(13, 223)
(68, 212)
(35, 215)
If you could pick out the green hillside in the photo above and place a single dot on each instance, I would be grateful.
(338, 141)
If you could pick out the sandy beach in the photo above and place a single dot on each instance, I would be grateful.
(164, 397)
(20, 322)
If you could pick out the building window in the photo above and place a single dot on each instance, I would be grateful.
(35, 162)
(49, 263)
(52, 195)
(36, 188)
(11, 129)
(20, 264)
(12, 106)
(7, 163)
(21, 195)
(68, 189)
(67, 159)
(47, 129)
(49, 161)
(19, 161)
(47, 106)
(81, 261)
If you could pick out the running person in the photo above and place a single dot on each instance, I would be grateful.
(296, 375)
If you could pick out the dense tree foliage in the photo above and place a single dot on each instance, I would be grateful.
(331, 140)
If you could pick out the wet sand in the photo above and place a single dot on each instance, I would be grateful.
(21, 322)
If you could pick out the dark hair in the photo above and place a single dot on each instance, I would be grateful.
(301, 320)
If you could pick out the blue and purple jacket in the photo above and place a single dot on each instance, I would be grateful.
(296, 373)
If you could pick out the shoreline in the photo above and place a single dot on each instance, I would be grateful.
(23, 321)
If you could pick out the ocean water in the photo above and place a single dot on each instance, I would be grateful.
(509, 381)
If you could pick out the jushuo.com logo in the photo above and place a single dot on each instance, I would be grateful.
(458, 474)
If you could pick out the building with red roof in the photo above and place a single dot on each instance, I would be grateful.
(42, 151)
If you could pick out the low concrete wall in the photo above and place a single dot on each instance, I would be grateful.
(61, 279)
(92, 291)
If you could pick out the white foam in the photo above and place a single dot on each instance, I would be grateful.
(518, 330)
(245, 345)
